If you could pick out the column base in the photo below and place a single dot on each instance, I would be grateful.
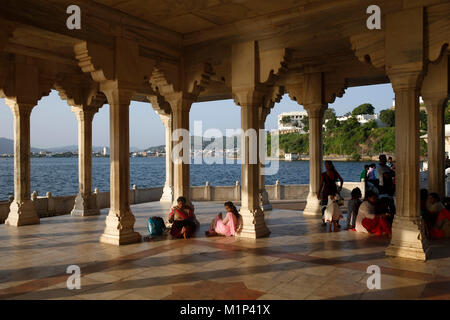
(85, 206)
(407, 240)
(119, 229)
(265, 203)
(167, 195)
(253, 224)
(313, 206)
(22, 214)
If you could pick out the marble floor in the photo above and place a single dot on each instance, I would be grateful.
(300, 260)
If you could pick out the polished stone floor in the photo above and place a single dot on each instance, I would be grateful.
(300, 260)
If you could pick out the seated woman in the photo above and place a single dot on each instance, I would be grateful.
(184, 220)
(367, 221)
(225, 227)
(437, 218)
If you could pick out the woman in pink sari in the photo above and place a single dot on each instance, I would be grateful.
(225, 227)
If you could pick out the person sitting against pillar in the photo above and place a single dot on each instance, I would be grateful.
(183, 218)
(328, 186)
(434, 207)
(353, 207)
(228, 226)
(368, 221)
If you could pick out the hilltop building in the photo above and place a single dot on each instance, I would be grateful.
(289, 122)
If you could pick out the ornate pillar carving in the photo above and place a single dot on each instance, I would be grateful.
(407, 239)
(22, 210)
(85, 201)
(254, 226)
(181, 106)
(310, 93)
(168, 191)
(315, 115)
(263, 195)
(435, 93)
(120, 220)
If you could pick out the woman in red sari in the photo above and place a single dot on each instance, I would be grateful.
(369, 222)
(184, 220)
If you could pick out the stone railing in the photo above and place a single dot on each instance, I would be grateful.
(53, 206)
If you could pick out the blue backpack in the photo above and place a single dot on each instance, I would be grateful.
(156, 226)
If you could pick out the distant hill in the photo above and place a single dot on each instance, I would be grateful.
(7, 146)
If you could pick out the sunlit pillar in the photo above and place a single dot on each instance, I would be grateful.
(407, 239)
(120, 220)
(181, 157)
(22, 210)
(254, 225)
(263, 195)
(168, 193)
(435, 92)
(85, 201)
(314, 105)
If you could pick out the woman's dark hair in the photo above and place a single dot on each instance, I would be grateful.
(330, 163)
(370, 193)
(356, 193)
(231, 205)
(182, 200)
(435, 196)
(423, 194)
(366, 166)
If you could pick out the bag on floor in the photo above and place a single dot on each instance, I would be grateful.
(156, 226)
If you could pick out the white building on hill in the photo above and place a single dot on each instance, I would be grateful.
(291, 121)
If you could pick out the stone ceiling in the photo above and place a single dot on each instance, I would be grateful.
(187, 16)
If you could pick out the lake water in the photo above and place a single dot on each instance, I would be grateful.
(60, 175)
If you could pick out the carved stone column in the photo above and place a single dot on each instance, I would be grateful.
(22, 210)
(181, 105)
(120, 220)
(263, 195)
(435, 93)
(254, 225)
(315, 115)
(315, 106)
(85, 201)
(407, 239)
(168, 192)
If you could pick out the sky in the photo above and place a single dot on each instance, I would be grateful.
(54, 125)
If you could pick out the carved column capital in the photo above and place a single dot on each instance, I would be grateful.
(19, 109)
(405, 80)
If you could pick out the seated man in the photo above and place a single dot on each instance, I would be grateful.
(183, 218)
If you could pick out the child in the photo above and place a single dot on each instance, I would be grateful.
(353, 207)
(332, 212)
(227, 226)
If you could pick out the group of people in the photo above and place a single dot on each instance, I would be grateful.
(373, 215)
(185, 223)
(382, 179)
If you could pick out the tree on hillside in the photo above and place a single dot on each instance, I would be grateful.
(286, 119)
(447, 113)
(332, 123)
(388, 117)
(365, 108)
(329, 114)
(305, 122)
(423, 120)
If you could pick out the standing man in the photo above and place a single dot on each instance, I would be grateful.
(385, 175)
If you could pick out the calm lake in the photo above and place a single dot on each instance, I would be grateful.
(60, 175)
